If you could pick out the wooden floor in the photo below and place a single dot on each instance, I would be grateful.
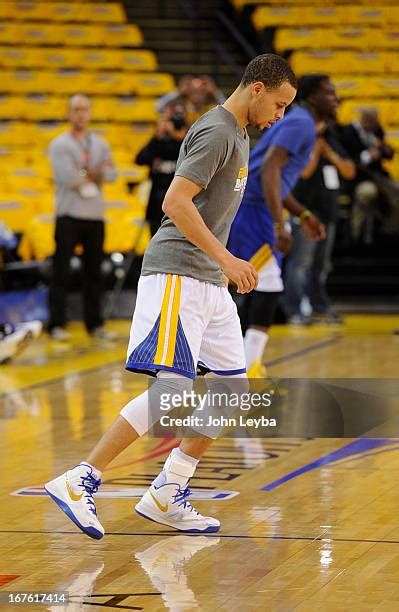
(307, 524)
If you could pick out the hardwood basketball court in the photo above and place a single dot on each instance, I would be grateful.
(306, 523)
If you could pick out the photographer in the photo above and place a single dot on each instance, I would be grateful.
(161, 154)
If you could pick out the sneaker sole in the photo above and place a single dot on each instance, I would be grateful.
(210, 529)
(92, 532)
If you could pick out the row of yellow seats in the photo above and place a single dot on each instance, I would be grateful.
(336, 38)
(29, 140)
(87, 59)
(34, 182)
(361, 87)
(34, 162)
(326, 15)
(62, 11)
(121, 235)
(349, 62)
(52, 108)
(71, 81)
(112, 35)
(388, 110)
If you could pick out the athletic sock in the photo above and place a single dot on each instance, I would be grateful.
(254, 345)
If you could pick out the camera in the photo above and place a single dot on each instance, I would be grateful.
(178, 120)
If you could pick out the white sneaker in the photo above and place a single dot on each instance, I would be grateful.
(59, 333)
(168, 505)
(73, 493)
(103, 334)
(15, 339)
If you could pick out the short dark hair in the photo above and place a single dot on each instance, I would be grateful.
(310, 84)
(270, 69)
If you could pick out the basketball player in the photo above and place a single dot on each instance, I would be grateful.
(184, 313)
(258, 233)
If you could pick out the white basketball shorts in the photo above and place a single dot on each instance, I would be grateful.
(181, 322)
(267, 263)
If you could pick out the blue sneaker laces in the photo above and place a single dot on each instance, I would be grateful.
(180, 498)
(90, 485)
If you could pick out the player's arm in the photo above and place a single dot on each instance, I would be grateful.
(345, 167)
(310, 169)
(274, 161)
(311, 225)
(178, 205)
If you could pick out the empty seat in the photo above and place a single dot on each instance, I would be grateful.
(154, 84)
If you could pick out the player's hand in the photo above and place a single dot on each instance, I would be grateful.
(241, 273)
(313, 228)
(283, 240)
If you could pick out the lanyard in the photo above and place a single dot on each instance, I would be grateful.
(85, 146)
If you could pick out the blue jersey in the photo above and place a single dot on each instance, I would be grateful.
(253, 224)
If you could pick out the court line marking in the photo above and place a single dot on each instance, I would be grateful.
(309, 349)
(319, 538)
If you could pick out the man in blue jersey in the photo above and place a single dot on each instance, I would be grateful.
(258, 233)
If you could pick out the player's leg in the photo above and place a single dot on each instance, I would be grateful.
(222, 353)
(157, 341)
(262, 309)
(297, 266)
(261, 316)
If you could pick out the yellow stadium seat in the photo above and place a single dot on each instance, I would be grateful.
(23, 81)
(137, 60)
(354, 38)
(16, 134)
(349, 110)
(298, 38)
(78, 35)
(66, 82)
(35, 34)
(322, 15)
(126, 233)
(366, 15)
(354, 87)
(13, 57)
(43, 134)
(59, 57)
(320, 60)
(108, 83)
(135, 109)
(389, 38)
(15, 212)
(271, 16)
(63, 11)
(44, 108)
(109, 13)
(27, 11)
(11, 107)
(121, 35)
(386, 86)
(98, 59)
(38, 238)
(154, 84)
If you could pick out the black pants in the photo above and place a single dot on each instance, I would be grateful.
(68, 233)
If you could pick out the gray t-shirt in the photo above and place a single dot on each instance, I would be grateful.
(213, 155)
(67, 156)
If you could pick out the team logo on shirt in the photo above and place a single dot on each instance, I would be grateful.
(241, 180)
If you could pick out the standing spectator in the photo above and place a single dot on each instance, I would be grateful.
(161, 154)
(309, 262)
(374, 193)
(81, 162)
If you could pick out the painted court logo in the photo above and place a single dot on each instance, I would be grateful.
(241, 180)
